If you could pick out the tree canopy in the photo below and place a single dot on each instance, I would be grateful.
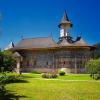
(7, 62)
(96, 53)
(93, 67)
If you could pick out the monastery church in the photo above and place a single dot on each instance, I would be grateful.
(45, 55)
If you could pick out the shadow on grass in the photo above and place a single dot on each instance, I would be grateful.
(27, 76)
(10, 95)
(18, 81)
(31, 76)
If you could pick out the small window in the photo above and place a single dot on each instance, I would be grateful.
(27, 62)
(47, 63)
(35, 62)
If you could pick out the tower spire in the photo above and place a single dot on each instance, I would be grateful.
(65, 17)
(65, 21)
(64, 25)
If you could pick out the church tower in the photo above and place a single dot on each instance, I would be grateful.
(64, 26)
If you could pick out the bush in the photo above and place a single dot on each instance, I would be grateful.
(53, 75)
(96, 76)
(9, 79)
(5, 79)
(44, 75)
(36, 72)
(7, 62)
(48, 75)
(93, 68)
(61, 73)
(2, 82)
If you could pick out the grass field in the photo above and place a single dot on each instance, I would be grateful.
(69, 87)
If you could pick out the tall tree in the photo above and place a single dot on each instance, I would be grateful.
(96, 52)
(93, 67)
(6, 60)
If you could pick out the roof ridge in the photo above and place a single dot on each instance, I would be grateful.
(64, 42)
(81, 42)
(53, 39)
(36, 38)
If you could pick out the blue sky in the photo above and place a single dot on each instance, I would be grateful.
(40, 18)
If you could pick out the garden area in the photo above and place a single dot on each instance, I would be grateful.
(31, 86)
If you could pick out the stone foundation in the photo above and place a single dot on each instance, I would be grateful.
(49, 70)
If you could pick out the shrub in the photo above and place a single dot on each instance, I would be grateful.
(61, 73)
(93, 68)
(36, 72)
(9, 79)
(96, 76)
(48, 75)
(2, 83)
(5, 79)
(7, 62)
(44, 75)
(53, 75)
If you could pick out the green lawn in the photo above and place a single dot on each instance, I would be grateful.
(69, 87)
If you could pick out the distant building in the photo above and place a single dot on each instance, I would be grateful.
(45, 55)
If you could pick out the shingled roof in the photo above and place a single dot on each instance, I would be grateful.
(30, 43)
(47, 42)
(80, 42)
(64, 43)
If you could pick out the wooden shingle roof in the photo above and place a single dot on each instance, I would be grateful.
(64, 43)
(47, 42)
(80, 42)
(30, 43)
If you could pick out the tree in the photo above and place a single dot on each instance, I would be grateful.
(93, 67)
(6, 60)
(96, 53)
(1, 59)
